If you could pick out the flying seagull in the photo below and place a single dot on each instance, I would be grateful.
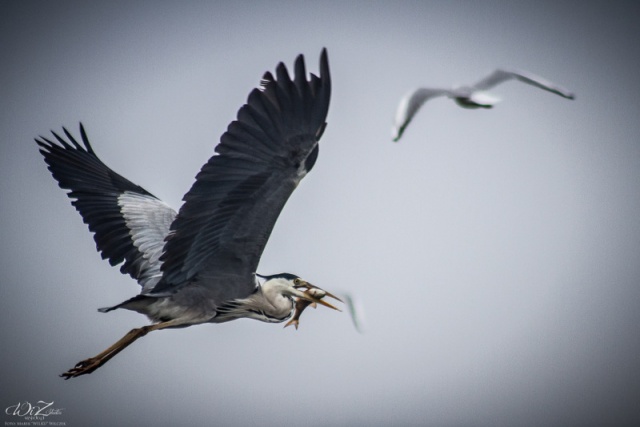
(199, 265)
(468, 96)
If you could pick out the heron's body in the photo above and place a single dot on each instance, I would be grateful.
(472, 97)
(194, 304)
(198, 265)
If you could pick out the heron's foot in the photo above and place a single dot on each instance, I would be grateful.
(87, 366)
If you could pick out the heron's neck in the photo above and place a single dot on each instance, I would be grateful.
(274, 303)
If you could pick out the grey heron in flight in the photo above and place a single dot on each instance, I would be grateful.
(199, 265)
(468, 96)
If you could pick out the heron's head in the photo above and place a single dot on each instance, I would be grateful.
(290, 286)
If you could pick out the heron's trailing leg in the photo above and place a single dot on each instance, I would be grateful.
(87, 366)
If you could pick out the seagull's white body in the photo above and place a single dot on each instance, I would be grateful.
(475, 96)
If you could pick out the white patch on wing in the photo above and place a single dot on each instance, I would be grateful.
(148, 220)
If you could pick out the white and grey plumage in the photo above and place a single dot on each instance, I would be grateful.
(198, 265)
(468, 96)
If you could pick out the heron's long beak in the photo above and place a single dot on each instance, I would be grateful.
(309, 297)
(310, 286)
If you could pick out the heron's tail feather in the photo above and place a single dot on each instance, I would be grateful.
(137, 303)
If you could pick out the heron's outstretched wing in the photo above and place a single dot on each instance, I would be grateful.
(502, 75)
(128, 222)
(223, 226)
(409, 106)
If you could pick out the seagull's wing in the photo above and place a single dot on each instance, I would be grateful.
(128, 222)
(222, 228)
(502, 75)
(409, 106)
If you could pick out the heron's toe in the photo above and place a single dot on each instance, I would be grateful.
(84, 367)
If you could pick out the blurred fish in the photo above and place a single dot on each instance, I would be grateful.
(356, 311)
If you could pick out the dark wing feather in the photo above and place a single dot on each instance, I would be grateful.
(223, 226)
(128, 222)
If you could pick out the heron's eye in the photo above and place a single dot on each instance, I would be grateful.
(296, 281)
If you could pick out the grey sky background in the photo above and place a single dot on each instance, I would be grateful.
(496, 253)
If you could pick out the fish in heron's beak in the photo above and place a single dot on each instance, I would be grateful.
(301, 304)
(315, 292)
(311, 296)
